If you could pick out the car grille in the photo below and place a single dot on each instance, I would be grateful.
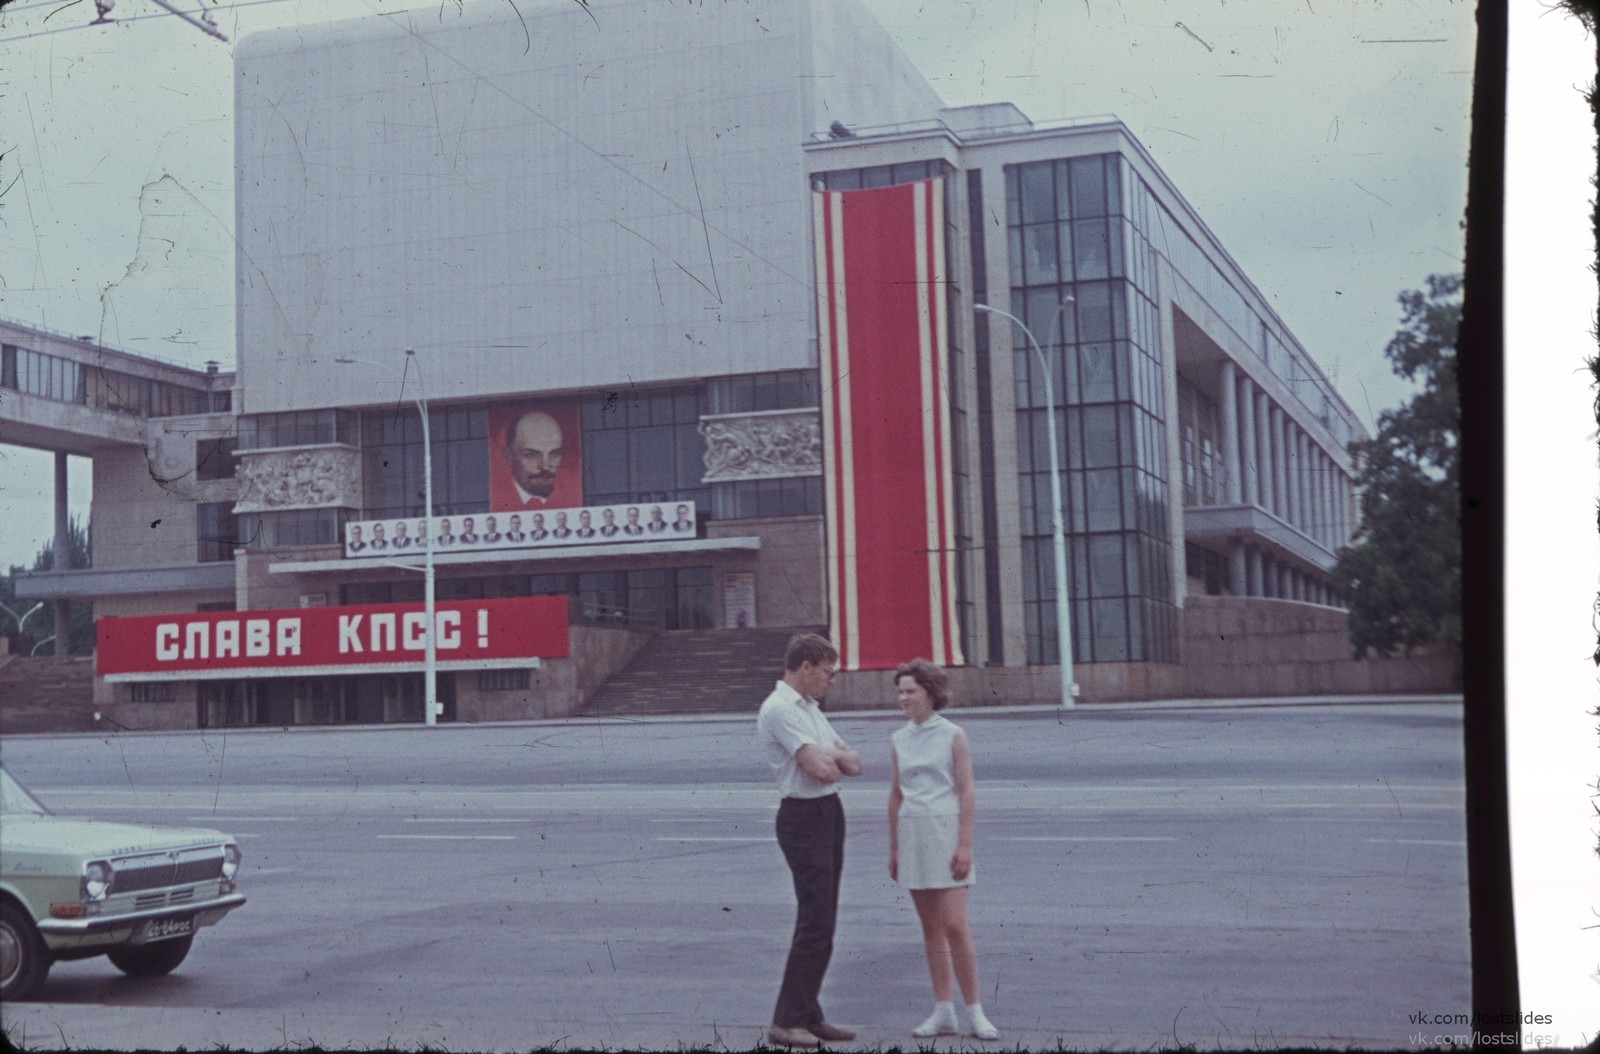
(163, 899)
(160, 870)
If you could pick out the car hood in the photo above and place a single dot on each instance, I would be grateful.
(25, 832)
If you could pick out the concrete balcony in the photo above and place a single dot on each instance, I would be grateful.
(95, 583)
(1253, 523)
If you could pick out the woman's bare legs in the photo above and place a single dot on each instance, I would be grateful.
(948, 941)
(928, 904)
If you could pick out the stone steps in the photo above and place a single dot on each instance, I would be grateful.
(695, 672)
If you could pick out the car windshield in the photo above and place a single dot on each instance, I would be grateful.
(15, 799)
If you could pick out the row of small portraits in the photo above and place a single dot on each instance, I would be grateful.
(540, 527)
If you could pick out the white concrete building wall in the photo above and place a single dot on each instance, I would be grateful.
(614, 197)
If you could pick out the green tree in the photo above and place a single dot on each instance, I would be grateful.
(1402, 570)
(80, 615)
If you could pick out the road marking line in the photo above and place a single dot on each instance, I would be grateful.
(452, 837)
(243, 819)
(1414, 841)
(1085, 838)
(470, 819)
(711, 839)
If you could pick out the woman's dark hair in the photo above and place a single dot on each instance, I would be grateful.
(934, 680)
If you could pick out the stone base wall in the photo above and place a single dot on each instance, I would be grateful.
(559, 686)
(1232, 647)
(1242, 647)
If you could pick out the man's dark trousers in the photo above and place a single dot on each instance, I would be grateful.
(811, 835)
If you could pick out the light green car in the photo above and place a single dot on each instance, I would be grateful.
(74, 889)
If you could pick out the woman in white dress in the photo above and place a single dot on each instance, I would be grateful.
(931, 805)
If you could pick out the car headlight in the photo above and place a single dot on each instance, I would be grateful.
(230, 862)
(97, 877)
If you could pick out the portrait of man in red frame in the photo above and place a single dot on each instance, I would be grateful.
(535, 457)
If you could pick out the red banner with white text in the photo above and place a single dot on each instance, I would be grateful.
(883, 338)
(487, 632)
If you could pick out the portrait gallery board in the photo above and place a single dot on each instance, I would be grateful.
(529, 528)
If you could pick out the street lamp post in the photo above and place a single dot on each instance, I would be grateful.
(430, 652)
(1069, 689)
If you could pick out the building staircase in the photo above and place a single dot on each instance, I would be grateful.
(695, 672)
(46, 694)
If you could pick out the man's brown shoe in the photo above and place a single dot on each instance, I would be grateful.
(834, 1033)
(779, 1036)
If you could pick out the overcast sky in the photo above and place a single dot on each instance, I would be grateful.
(1323, 141)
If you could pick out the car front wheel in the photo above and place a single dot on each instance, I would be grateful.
(23, 962)
(152, 960)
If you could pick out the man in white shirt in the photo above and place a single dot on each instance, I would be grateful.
(809, 760)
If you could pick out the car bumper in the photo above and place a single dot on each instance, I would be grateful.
(205, 913)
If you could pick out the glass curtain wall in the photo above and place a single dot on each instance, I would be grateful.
(1082, 279)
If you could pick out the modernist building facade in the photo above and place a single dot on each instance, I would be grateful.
(594, 258)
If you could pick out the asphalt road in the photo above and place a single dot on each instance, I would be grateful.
(1219, 876)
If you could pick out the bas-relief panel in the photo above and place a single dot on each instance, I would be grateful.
(770, 445)
(299, 479)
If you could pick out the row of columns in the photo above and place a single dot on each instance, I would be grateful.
(1255, 572)
(1270, 461)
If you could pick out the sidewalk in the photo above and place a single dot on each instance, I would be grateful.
(884, 713)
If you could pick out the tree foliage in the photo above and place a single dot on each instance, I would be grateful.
(41, 625)
(1403, 568)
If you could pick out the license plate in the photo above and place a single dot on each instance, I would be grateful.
(165, 929)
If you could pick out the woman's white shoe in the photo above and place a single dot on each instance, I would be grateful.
(982, 1027)
(942, 1022)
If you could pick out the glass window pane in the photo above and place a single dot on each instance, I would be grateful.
(1096, 365)
(1038, 192)
(1014, 241)
(766, 393)
(605, 464)
(1106, 566)
(1088, 186)
(1094, 311)
(650, 458)
(1103, 496)
(1110, 631)
(1091, 253)
(1039, 252)
(1063, 190)
(769, 498)
(1100, 436)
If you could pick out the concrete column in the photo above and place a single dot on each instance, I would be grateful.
(1276, 458)
(1319, 494)
(1252, 565)
(1283, 581)
(61, 550)
(1264, 490)
(1238, 578)
(1297, 473)
(1231, 472)
(1249, 459)
(1308, 485)
(1329, 471)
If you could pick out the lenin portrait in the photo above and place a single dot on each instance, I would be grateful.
(534, 459)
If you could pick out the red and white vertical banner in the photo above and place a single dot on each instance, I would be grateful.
(883, 340)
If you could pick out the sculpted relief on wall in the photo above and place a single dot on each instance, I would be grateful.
(299, 479)
(774, 445)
